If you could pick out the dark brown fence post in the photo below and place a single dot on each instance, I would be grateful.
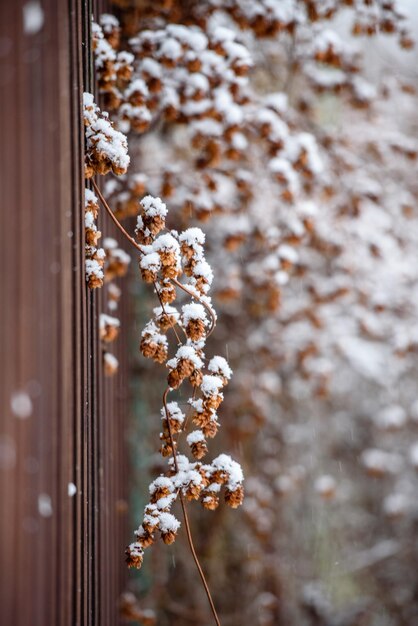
(60, 424)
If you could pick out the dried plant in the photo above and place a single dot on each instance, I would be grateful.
(162, 259)
(309, 226)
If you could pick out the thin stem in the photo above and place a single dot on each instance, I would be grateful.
(165, 313)
(186, 517)
(186, 421)
(114, 218)
(170, 432)
(196, 560)
(205, 304)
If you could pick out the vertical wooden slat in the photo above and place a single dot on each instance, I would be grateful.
(62, 564)
(8, 224)
(37, 340)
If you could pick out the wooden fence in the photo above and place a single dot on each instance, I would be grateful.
(63, 466)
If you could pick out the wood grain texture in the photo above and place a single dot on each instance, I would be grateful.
(61, 557)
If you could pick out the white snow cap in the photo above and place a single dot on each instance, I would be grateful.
(111, 360)
(203, 269)
(232, 468)
(168, 523)
(288, 253)
(166, 242)
(93, 269)
(166, 502)
(211, 385)
(90, 197)
(193, 311)
(137, 85)
(381, 461)
(162, 482)
(186, 352)
(150, 262)
(192, 236)
(219, 365)
(108, 21)
(121, 256)
(100, 254)
(195, 437)
(324, 484)
(391, 417)
(135, 549)
(167, 310)
(107, 320)
(153, 206)
(396, 504)
(109, 243)
(152, 331)
(174, 412)
(89, 221)
(170, 49)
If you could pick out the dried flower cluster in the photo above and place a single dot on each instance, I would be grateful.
(106, 149)
(116, 266)
(164, 258)
(194, 481)
(95, 257)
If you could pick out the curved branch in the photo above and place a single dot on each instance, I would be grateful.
(186, 517)
(205, 304)
(114, 218)
(173, 326)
